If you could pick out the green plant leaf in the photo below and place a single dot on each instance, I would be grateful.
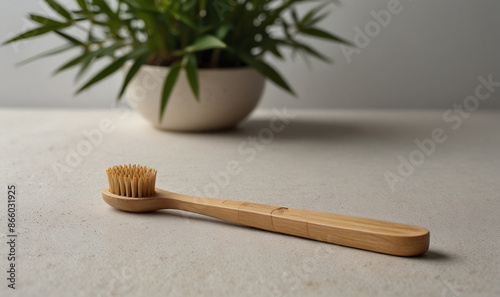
(312, 17)
(223, 30)
(59, 9)
(105, 8)
(295, 16)
(311, 51)
(181, 17)
(192, 75)
(45, 20)
(71, 63)
(69, 38)
(107, 71)
(92, 56)
(168, 86)
(82, 4)
(48, 53)
(267, 71)
(36, 32)
(271, 45)
(313, 21)
(204, 43)
(323, 34)
(132, 72)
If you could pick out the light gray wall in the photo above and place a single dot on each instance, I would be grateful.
(429, 55)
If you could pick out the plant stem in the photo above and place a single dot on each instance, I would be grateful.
(215, 58)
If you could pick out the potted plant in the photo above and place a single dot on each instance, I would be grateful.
(189, 65)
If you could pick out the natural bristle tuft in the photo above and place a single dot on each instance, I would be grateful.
(132, 180)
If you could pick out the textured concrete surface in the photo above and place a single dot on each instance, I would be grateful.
(70, 243)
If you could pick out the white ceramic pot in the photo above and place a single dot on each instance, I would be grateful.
(226, 97)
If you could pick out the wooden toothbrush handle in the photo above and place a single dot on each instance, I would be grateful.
(367, 234)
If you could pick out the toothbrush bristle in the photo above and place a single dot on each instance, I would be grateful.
(132, 180)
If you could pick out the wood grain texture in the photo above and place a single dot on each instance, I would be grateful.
(373, 235)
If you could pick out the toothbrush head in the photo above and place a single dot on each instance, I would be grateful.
(132, 180)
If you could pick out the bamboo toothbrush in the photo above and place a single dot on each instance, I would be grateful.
(132, 189)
